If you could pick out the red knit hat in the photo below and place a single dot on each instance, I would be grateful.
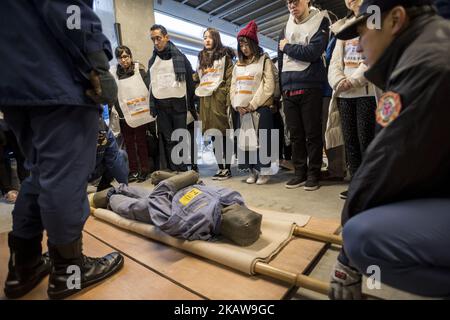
(250, 31)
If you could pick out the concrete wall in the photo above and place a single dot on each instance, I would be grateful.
(105, 11)
(136, 17)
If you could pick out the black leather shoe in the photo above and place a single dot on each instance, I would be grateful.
(27, 266)
(72, 271)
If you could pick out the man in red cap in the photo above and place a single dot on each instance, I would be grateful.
(397, 215)
(301, 62)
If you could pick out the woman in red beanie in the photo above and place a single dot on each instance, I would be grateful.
(251, 93)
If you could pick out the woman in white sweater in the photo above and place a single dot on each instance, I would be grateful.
(355, 95)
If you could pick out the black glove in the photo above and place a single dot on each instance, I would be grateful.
(104, 87)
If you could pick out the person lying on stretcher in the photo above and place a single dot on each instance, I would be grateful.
(185, 208)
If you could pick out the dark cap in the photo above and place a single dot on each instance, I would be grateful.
(349, 31)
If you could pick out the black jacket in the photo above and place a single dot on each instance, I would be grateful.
(316, 75)
(410, 158)
(43, 62)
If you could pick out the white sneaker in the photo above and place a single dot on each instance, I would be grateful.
(262, 179)
(252, 177)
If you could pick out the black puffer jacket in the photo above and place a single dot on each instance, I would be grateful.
(410, 158)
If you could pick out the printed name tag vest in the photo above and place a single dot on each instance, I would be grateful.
(164, 83)
(211, 78)
(133, 98)
(352, 58)
(248, 79)
(301, 34)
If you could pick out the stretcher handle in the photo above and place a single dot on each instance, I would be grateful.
(298, 280)
(317, 235)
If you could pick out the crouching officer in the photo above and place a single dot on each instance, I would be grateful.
(397, 215)
(52, 82)
(110, 162)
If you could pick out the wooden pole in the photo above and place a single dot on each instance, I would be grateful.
(298, 280)
(317, 235)
(306, 233)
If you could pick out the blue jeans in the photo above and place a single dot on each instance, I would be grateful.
(409, 241)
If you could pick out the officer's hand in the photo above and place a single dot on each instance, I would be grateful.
(282, 44)
(104, 87)
(345, 283)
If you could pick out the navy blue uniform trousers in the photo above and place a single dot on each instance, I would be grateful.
(59, 143)
(409, 241)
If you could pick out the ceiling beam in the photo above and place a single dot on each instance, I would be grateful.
(226, 4)
(273, 34)
(271, 15)
(280, 19)
(255, 11)
(277, 26)
(190, 14)
(235, 8)
(202, 4)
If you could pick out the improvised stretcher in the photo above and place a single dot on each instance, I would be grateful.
(220, 252)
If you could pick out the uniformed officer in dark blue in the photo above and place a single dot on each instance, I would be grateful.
(54, 76)
(396, 219)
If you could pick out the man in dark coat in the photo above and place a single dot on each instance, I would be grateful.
(54, 76)
(397, 215)
(172, 91)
